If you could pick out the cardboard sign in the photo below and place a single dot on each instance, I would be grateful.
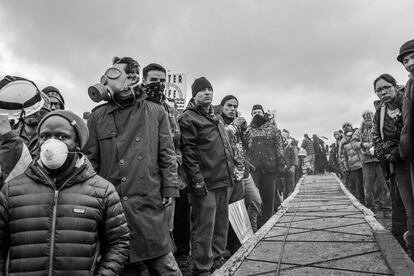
(239, 219)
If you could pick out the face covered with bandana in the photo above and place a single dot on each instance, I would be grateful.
(58, 143)
(258, 117)
(154, 83)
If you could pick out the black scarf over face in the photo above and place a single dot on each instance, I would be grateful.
(258, 120)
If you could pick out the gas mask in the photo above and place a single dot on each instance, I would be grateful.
(115, 86)
(155, 90)
(54, 153)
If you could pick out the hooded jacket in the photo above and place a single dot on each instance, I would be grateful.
(206, 149)
(78, 229)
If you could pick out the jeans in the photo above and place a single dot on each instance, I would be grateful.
(209, 226)
(266, 184)
(403, 172)
(163, 265)
(253, 201)
(377, 195)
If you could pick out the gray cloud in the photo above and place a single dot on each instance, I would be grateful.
(313, 61)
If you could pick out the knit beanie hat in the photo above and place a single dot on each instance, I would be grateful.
(53, 92)
(406, 48)
(199, 84)
(75, 121)
(257, 106)
(227, 98)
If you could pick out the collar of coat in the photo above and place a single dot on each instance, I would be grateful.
(84, 171)
(210, 115)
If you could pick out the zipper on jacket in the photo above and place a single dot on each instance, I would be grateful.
(55, 201)
(52, 236)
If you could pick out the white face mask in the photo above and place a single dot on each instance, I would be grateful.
(53, 153)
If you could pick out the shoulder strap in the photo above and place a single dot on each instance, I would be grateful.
(382, 119)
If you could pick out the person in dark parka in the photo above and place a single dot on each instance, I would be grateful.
(208, 162)
(59, 217)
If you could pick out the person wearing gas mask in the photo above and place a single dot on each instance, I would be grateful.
(131, 146)
(154, 78)
(68, 218)
(265, 153)
(208, 162)
(57, 102)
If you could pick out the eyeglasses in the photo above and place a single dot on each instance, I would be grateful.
(379, 90)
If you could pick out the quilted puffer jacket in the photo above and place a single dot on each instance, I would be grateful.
(78, 229)
(349, 155)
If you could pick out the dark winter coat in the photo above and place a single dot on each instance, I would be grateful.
(133, 149)
(392, 128)
(407, 132)
(265, 147)
(291, 155)
(206, 150)
(78, 229)
(14, 157)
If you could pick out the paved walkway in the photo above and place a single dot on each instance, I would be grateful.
(320, 230)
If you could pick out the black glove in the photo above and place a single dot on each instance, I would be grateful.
(200, 190)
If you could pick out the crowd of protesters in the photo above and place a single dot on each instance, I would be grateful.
(141, 188)
(145, 189)
(375, 161)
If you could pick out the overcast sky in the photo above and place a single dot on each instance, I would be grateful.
(313, 61)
